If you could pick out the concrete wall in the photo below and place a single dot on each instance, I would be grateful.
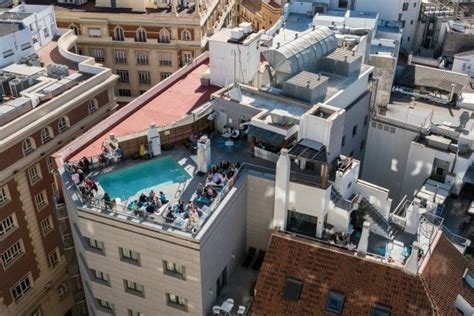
(224, 242)
(419, 166)
(377, 196)
(464, 64)
(231, 113)
(14, 42)
(260, 204)
(385, 157)
(384, 72)
(339, 218)
(454, 42)
(317, 205)
(356, 115)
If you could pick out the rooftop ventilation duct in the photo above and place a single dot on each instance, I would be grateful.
(303, 53)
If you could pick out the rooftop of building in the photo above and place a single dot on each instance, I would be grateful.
(290, 282)
(294, 24)
(14, 16)
(90, 6)
(44, 75)
(422, 113)
(7, 28)
(183, 91)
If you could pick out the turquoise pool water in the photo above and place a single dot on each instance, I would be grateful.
(142, 177)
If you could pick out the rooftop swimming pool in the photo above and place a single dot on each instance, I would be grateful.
(142, 177)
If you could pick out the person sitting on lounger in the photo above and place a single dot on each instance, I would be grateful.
(169, 214)
(163, 198)
(142, 199)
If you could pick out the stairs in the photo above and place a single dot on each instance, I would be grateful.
(376, 218)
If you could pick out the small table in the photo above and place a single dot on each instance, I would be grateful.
(227, 307)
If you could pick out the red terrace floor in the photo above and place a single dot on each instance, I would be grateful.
(179, 99)
(50, 55)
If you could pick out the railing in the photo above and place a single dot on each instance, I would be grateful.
(342, 203)
(456, 239)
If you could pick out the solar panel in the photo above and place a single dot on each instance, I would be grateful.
(292, 289)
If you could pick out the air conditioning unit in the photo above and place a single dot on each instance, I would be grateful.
(16, 86)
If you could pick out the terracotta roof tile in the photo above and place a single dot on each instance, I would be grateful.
(324, 268)
(443, 277)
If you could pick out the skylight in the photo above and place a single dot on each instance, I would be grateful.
(335, 302)
(292, 289)
(469, 278)
(381, 310)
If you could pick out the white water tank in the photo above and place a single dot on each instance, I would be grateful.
(237, 33)
(246, 27)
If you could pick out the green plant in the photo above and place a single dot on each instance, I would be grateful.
(360, 216)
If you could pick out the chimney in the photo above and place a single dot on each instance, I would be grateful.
(413, 217)
(364, 239)
(282, 186)
(411, 265)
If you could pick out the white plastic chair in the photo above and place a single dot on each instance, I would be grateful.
(241, 310)
(230, 301)
(216, 310)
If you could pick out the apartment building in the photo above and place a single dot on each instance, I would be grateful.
(143, 42)
(262, 14)
(279, 127)
(47, 99)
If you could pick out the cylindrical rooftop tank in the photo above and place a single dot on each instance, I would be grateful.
(302, 53)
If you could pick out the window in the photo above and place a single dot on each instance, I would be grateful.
(92, 106)
(46, 225)
(125, 93)
(34, 174)
(62, 291)
(176, 301)
(381, 310)
(12, 253)
(7, 224)
(98, 54)
(101, 277)
(187, 57)
(46, 32)
(402, 24)
(335, 302)
(28, 146)
(292, 289)
(129, 255)
(8, 53)
(164, 36)
(40, 200)
(4, 195)
(134, 288)
(408, 38)
(95, 244)
(164, 75)
(343, 142)
(63, 124)
(134, 313)
(46, 134)
(37, 312)
(140, 35)
(144, 77)
(366, 120)
(50, 163)
(105, 305)
(186, 35)
(25, 46)
(343, 4)
(411, 22)
(142, 58)
(53, 258)
(94, 32)
(21, 288)
(165, 59)
(468, 276)
(354, 131)
(405, 6)
(123, 74)
(414, 5)
(75, 29)
(118, 34)
(120, 56)
(173, 269)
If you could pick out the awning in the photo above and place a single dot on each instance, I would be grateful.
(267, 136)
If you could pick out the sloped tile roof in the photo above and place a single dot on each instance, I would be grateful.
(443, 277)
